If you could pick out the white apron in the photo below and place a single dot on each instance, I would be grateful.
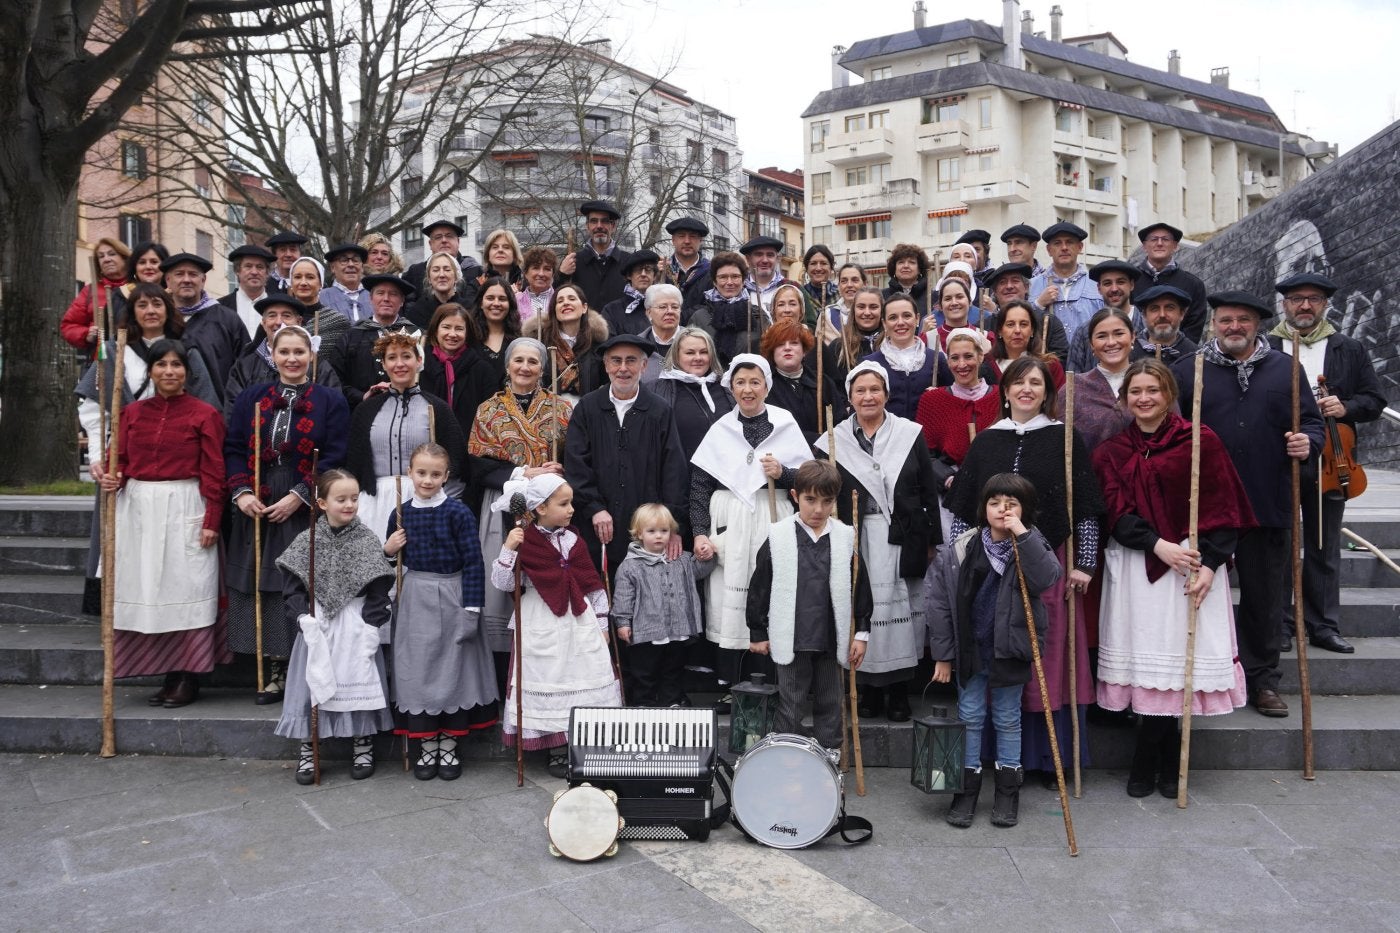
(165, 581)
(736, 549)
(341, 672)
(566, 663)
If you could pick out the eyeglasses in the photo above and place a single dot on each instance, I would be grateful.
(1159, 239)
(1298, 301)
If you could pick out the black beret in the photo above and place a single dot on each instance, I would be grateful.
(1020, 230)
(687, 224)
(1005, 269)
(1064, 227)
(599, 207)
(1321, 282)
(1163, 291)
(1115, 265)
(455, 227)
(1238, 299)
(1159, 225)
(285, 238)
(251, 251)
(203, 264)
(640, 258)
(277, 298)
(975, 236)
(370, 281)
(626, 340)
(340, 248)
(761, 242)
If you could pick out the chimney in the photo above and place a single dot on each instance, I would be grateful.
(1055, 15)
(1011, 33)
(1028, 23)
(840, 77)
(601, 47)
(1174, 62)
(920, 19)
(1220, 77)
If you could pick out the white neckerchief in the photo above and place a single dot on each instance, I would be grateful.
(1035, 424)
(249, 314)
(438, 499)
(907, 360)
(1114, 380)
(876, 472)
(680, 375)
(726, 455)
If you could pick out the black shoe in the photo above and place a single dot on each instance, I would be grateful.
(1331, 641)
(92, 597)
(186, 691)
(724, 704)
(361, 757)
(871, 702)
(897, 705)
(1169, 759)
(1006, 805)
(272, 687)
(449, 766)
(558, 764)
(964, 806)
(306, 766)
(1143, 770)
(426, 767)
(1269, 703)
(1286, 645)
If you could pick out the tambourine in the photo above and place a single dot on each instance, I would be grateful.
(583, 823)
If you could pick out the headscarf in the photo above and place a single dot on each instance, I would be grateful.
(535, 490)
(867, 366)
(527, 342)
(316, 263)
(748, 359)
(957, 265)
(978, 338)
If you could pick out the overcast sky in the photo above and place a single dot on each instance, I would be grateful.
(1327, 70)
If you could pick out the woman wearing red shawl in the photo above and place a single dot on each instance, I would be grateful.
(1146, 475)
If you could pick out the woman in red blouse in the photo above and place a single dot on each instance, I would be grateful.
(170, 473)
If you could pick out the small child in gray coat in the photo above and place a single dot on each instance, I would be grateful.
(656, 608)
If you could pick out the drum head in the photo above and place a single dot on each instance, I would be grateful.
(583, 823)
(787, 793)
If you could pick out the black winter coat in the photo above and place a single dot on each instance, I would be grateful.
(353, 357)
(475, 379)
(914, 525)
(220, 337)
(1351, 376)
(600, 277)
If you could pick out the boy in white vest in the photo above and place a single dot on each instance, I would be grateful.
(800, 605)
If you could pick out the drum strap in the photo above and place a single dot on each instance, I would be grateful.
(853, 830)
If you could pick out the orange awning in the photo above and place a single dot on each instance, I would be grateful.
(949, 212)
(864, 218)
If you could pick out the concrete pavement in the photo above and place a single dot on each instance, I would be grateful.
(158, 843)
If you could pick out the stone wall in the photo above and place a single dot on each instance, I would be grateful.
(1344, 221)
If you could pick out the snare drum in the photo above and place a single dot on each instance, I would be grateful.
(583, 823)
(787, 791)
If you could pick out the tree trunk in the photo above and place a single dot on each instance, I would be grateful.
(38, 413)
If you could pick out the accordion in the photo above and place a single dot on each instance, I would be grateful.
(659, 761)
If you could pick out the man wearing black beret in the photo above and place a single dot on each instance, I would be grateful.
(1160, 242)
(596, 267)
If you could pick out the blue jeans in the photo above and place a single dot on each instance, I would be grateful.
(1006, 717)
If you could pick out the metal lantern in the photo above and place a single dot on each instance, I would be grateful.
(940, 745)
(753, 709)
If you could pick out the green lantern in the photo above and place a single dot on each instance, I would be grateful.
(940, 745)
(754, 707)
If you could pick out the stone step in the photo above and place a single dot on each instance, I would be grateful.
(72, 655)
(1373, 669)
(1350, 733)
(1378, 524)
(1360, 567)
(23, 554)
(48, 516)
(41, 597)
(1366, 612)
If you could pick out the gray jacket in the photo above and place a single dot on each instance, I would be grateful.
(657, 598)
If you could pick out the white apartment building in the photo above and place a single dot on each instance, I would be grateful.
(966, 125)
(597, 128)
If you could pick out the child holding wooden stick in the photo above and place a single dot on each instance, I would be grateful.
(977, 625)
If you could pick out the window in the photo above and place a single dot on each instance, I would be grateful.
(817, 132)
(879, 119)
(770, 225)
(412, 236)
(721, 160)
(695, 196)
(820, 183)
(133, 160)
(133, 229)
(985, 163)
(518, 172)
(380, 200)
(1155, 208)
(950, 224)
(410, 186)
(948, 172)
(872, 230)
(1183, 202)
(237, 219)
(879, 173)
(461, 221)
(721, 204)
(1066, 120)
(655, 186)
(857, 232)
(203, 109)
(201, 181)
(857, 176)
(721, 244)
(984, 112)
(940, 111)
(855, 123)
(595, 125)
(958, 58)
(821, 234)
(1093, 232)
(697, 150)
(881, 74)
(204, 244)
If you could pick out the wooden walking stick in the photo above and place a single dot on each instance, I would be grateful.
(1192, 613)
(311, 593)
(1070, 606)
(1304, 681)
(1045, 700)
(554, 403)
(611, 639)
(398, 519)
(855, 579)
(519, 512)
(257, 543)
(109, 555)
(772, 500)
(821, 352)
(845, 708)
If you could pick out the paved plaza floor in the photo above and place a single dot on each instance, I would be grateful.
(153, 844)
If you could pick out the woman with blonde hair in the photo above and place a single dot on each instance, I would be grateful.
(383, 258)
(79, 325)
(503, 257)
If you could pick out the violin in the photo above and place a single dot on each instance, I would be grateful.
(1340, 471)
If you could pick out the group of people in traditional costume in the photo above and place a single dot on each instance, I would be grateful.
(459, 486)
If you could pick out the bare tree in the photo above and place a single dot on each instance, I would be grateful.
(69, 71)
(378, 125)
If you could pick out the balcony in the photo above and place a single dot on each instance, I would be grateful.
(536, 188)
(1073, 198)
(943, 138)
(1257, 185)
(899, 194)
(865, 252)
(553, 139)
(997, 186)
(860, 146)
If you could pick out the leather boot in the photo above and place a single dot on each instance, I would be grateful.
(158, 698)
(1169, 757)
(964, 805)
(1006, 805)
(1144, 767)
(897, 703)
(185, 692)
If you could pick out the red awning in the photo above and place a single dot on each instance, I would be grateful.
(515, 156)
(864, 218)
(949, 212)
(1066, 105)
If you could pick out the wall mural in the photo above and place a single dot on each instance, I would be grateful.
(1343, 222)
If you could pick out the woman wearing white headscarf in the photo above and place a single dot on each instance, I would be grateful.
(883, 459)
(749, 447)
(305, 280)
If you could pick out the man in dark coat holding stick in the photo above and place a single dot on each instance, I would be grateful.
(1246, 399)
(1353, 395)
(211, 328)
(622, 450)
